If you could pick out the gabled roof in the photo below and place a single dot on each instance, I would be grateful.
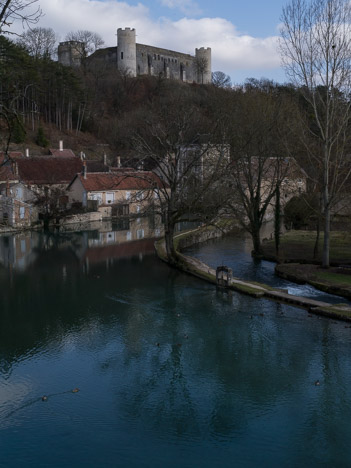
(96, 166)
(12, 155)
(64, 153)
(141, 180)
(48, 169)
(6, 173)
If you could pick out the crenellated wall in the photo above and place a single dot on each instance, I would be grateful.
(140, 59)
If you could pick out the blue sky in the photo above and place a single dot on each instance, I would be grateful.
(243, 35)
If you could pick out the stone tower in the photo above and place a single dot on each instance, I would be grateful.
(70, 53)
(126, 51)
(203, 65)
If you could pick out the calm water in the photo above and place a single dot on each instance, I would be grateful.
(171, 372)
(236, 253)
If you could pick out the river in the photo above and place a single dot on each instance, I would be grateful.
(170, 371)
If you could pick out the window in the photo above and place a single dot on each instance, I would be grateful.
(122, 210)
(140, 233)
(127, 195)
(22, 212)
(139, 196)
(110, 197)
(121, 55)
(96, 196)
(158, 57)
(23, 246)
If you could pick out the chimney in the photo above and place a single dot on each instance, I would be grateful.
(27, 152)
(61, 145)
(118, 162)
(84, 170)
(15, 168)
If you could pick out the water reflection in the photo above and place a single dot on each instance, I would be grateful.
(104, 240)
(171, 371)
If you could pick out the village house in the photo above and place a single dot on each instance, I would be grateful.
(29, 184)
(120, 193)
(293, 181)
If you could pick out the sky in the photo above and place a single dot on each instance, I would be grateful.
(242, 34)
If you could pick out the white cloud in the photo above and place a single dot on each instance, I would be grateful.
(188, 7)
(232, 52)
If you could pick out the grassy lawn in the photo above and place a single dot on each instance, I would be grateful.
(299, 245)
(334, 278)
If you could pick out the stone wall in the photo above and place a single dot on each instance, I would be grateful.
(198, 236)
(167, 63)
(81, 218)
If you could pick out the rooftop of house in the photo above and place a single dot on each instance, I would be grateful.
(6, 174)
(64, 153)
(125, 180)
(47, 169)
(12, 155)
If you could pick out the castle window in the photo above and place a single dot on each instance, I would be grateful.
(154, 56)
(121, 55)
(158, 57)
(175, 60)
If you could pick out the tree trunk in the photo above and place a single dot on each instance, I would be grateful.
(326, 242)
(325, 262)
(316, 244)
(277, 222)
(257, 247)
(170, 250)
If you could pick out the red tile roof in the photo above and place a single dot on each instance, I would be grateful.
(6, 173)
(48, 170)
(96, 182)
(65, 153)
(12, 154)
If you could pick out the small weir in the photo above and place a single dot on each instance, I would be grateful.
(222, 276)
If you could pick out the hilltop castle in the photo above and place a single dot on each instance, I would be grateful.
(139, 59)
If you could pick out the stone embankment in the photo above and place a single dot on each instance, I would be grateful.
(201, 270)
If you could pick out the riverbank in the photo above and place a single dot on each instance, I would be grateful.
(201, 270)
(297, 263)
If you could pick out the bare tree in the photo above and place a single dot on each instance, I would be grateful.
(315, 47)
(88, 42)
(172, 140)
(25, 11)
(259, 164)
(39, 42)
(221, 80)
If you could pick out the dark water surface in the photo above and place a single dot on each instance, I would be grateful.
(171, 373)
(236, 253)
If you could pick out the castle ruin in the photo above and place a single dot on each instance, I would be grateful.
(139, 59)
